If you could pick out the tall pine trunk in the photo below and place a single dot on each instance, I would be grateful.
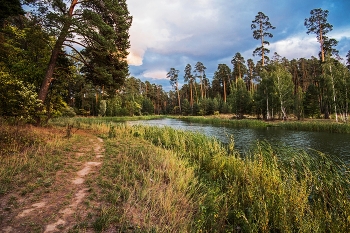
(44, 89)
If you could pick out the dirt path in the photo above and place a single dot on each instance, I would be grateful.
(66, 203)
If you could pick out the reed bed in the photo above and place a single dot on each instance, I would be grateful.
(319, 126)
(244, 123)
(310, 125)
(268, 190)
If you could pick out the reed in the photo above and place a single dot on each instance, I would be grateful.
(319, 126)
(244, 123)
(153, 189)
(310, 125)
(268, 190)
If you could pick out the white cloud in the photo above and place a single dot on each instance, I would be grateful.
(173, 26)
(155, 74)
(296, 47)
(342, 33)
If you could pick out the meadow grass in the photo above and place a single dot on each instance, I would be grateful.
(145, 188)
(268, 190)
(100, 120)
(164, 180)
(29, 157)
(319, 126)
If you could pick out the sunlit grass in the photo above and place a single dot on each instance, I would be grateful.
(164, 180)
(29, 156)
(269, 189)
(154, 189)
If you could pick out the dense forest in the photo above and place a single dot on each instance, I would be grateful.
(68, 57)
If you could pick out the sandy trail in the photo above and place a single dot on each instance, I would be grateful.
(54, 212)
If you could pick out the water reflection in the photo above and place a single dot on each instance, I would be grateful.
(329, 143)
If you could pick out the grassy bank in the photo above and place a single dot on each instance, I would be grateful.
(100, 120)
(224, 121)
(163, 180)
(26, 157)
(270, 190)
(305, 125)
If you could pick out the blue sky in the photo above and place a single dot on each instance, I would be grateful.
(174, 33)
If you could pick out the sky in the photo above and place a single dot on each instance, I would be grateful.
(173, 33)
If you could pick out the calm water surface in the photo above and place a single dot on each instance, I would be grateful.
(329, 143)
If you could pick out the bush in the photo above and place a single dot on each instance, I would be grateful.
(18, 100)
(68, 112)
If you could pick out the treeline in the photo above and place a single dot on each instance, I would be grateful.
(298, 87)
(44, 75)
(54, 53)
(271, 88)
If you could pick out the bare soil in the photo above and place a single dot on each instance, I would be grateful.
(66, 202)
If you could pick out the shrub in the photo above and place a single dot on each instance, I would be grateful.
(18, 100)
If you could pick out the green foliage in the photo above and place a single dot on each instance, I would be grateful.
(186, 107)
(10, 8)
(282, 81)
(18, 101)
(68, 112)
(240, 99)
(113, 106)
(311, 105)
(25, 50)
(147, 107)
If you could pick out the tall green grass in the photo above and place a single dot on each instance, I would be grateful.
(266, 190)
(247, 123)
(100, 120)
(269, 190)
(145, 188)
(319, 126)
(312, 125)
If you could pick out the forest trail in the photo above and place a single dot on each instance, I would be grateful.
(66, 202)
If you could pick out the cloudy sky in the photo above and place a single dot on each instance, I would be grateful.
(174, 33)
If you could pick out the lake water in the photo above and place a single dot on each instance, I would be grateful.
(330, 143)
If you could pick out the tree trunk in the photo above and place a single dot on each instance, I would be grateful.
(334, 98)
(54, 55)
(224, 91)
(201, 86)
(321, 42)
(191, 95)
(267, 107)
(178, 95)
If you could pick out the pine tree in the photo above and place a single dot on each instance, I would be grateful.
(261, 25)
(100, 27)
(317, 24)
